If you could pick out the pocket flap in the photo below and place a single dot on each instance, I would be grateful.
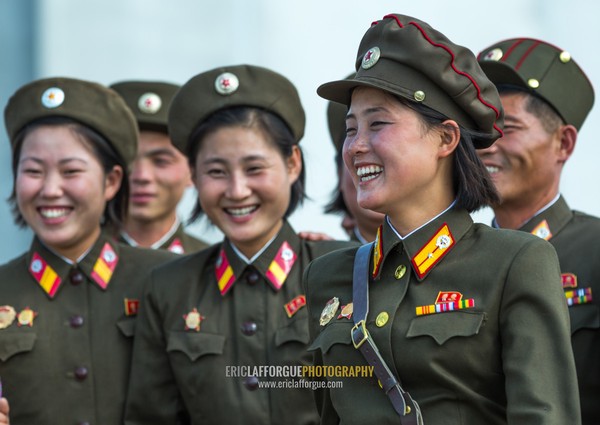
(127, 327)
(443, 326)
(584, 316)
(196, 344)
(15, 343)
(295, 331)
(335, 333)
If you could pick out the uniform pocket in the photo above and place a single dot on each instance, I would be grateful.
(297, 331)
(195, 344)
(15, 343)
(444, 326)
(335, 333)
(127, 327)
(584, 316)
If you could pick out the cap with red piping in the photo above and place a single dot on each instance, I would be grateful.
(405, 56)
(543, 69)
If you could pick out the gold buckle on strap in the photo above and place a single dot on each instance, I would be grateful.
(362, 325)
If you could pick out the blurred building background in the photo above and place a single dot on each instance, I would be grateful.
(309, 41)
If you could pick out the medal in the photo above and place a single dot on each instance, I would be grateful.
(329, 311)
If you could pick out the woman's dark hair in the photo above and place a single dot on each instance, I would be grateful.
(116, 208)
(269, 124)
(472, 183)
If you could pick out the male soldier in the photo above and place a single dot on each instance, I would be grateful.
(546, 98)
(159, 175)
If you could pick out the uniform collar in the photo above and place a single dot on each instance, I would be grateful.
(550, 220)
(274, 263)
(427, 246)
(50, 270)
(170, 241)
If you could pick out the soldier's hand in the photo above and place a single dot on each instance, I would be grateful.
(4, 411)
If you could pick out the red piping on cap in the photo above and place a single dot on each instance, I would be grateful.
(464, 74)
(511, 48)
(527, 53)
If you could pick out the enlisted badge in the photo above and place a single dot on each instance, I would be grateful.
(227, 83)
(45, 275)
(542, 230)
(149, 103)
(105, 266)
(494, 55)
(377, 252)
(371, 57)
(347, 311)
(53, 97)
(131, 306)
(193, 320)
(176, 247)
(224, 273)
(329, 311)
(400, 272)
(569, 280)
(296, 304)
(579, 296)
(26, 317)
(7, 316)
(281, 265)
(433, 251)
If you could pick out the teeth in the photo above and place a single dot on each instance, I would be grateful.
(54, 213)
(368, 173)
(241, 211)
(491, 169)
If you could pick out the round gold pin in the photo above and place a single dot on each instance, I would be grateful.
(329, 311)
(382, 319)
(419, 95)
(533, 83)
(400, 271)
(564, 57)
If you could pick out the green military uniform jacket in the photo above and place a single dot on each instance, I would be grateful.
(179, 242)
(576, 238)
(66, 332)
(502, 356)
(208, 313)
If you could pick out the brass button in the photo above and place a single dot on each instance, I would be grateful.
(382, 319)
(419, 95)
(400, 271)
(533, 83)
(565, 57)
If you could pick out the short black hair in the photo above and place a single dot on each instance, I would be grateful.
(267, 122)
(115, 209)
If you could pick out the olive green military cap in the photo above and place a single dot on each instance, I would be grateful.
(149, 101)
(542, 69)
(405, 56)
(336, 121)
(225, 87)
(88, 103)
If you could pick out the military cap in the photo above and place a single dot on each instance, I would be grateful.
(225, 87)
(544, 70)
(88, 103)
(408, 58)
(149, 101)
(336, 121)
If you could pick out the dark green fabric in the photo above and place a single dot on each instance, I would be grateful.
(90, 103)
(507, 360)
(37, 363)
(543, 69)
(156, 117)
(189, 368)
(576, 236)
(421, 64)
(258, 87)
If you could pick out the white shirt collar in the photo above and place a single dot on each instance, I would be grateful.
(421, 226)
(159, 242)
